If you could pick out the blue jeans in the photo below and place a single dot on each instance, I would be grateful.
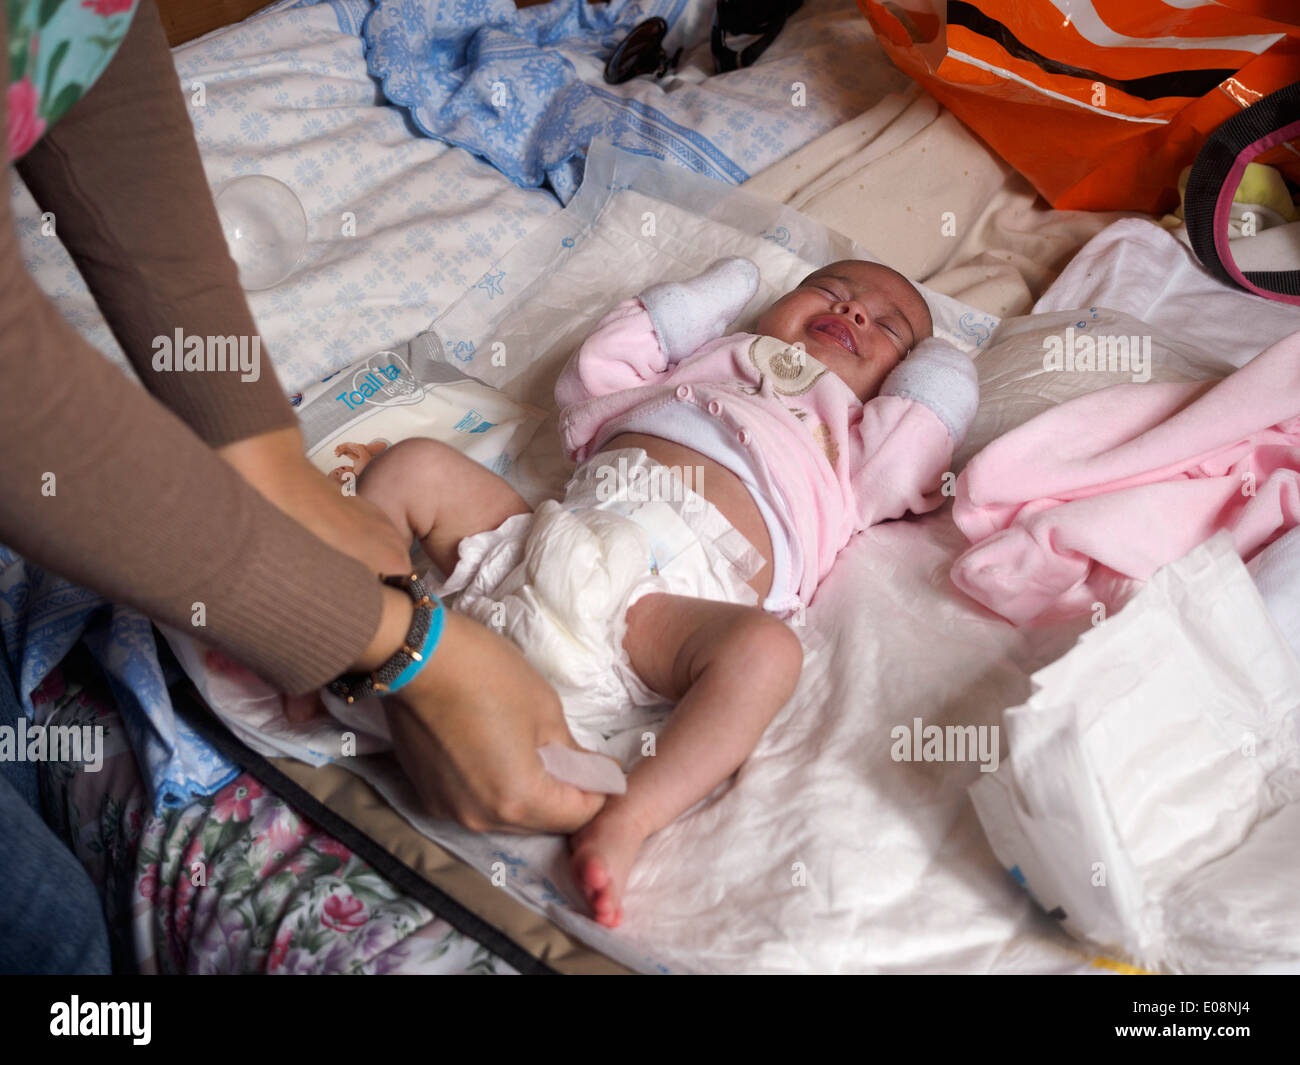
(51, 917)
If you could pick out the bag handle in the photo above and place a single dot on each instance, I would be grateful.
(1207, 201)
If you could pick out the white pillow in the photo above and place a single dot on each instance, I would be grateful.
(1036, 361)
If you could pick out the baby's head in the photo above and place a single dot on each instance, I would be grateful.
(858, 319)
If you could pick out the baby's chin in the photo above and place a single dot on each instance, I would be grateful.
(827, 352)
(842, 363)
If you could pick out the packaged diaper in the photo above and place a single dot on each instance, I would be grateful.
(1152, 795)
(411, 391)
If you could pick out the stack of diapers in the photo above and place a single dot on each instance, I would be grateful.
(1151, 801)
(411, 391)
(1276, 570)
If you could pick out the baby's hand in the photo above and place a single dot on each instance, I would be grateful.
(943, 378)
(360, 454)
(688, 314)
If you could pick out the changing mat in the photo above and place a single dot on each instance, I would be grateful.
(822, 838)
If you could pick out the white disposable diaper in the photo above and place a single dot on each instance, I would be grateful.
(559, 582)
(1152, 796)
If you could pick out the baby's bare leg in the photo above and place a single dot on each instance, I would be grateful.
(439, 495)
(731, 668)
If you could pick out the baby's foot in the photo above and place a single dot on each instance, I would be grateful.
(603, 852)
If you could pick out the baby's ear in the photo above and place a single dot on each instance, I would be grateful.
(926, 332)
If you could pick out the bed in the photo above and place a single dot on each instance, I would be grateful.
(310, 870)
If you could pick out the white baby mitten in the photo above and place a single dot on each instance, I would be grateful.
(941, 376)
(688, 314)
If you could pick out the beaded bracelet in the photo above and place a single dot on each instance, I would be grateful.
(421, 640)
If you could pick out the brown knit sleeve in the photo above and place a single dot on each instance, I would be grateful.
(101, 483)
(121, 172)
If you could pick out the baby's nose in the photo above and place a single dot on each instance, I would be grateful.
(856, 312)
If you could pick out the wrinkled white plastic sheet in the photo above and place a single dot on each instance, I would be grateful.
(823, 854)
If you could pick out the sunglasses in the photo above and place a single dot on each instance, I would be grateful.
(641, 52)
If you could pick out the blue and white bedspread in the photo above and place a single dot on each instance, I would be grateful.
(524, 88)
(400, 226)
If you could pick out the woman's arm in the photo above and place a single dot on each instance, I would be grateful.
(110, 488)
(106, 487)
(122, 175)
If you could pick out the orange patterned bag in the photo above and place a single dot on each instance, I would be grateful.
(1099, 103)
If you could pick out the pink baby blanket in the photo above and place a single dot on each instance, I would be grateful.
(1072, 508)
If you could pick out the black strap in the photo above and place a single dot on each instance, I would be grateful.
(1210, 172)
(640, 52)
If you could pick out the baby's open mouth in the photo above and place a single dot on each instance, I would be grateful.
(836, 330)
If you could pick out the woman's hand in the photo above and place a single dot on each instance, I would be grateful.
(275, 465)
(466, 731)
(467, 728)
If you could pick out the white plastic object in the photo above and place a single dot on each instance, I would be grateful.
(265, 227)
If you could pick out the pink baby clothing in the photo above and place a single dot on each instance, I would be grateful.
(821, 464)
(1074, 506)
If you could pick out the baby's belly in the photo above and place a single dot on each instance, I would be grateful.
(719, 486)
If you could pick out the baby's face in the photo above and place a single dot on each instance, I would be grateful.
(858, 319)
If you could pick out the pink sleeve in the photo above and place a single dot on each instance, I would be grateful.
(905, 451)
(622, 352)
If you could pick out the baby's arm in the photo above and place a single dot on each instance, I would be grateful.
(641, 338)
(910, 430)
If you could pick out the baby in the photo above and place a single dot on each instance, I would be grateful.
(838, 412)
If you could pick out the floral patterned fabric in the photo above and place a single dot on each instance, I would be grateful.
(235, 882)
(57, 48)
